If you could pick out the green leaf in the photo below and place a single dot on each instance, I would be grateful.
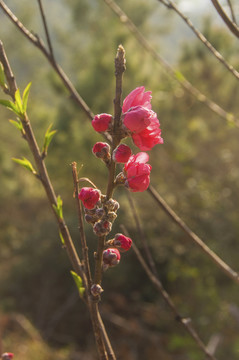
(18, 101)
(48, 137)
(2, 76)
(25, 97)
(10, 105)
(17, 124)
(78, 282)
(58, 207)
(25, 163)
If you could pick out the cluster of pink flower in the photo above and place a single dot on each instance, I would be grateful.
(140, 123)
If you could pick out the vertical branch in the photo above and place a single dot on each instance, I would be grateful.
(84, 246)
(12, 85)
(116, 136)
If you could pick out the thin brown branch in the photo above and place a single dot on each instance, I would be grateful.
(45, 180)
(43, 16)
(35, 40)
(186, 322)
(230, 24)
(172, 6)
(232, 11)
(84, 246)
(177, 220)
(168, 69)
(109, 349)
(142, 235)
(97, 327)
(119, 71)
(12, 85)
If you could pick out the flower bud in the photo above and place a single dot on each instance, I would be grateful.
(122, 242)
(111, 257)
(102, 227)
(89, 197)
(91, 219)
(101, 122)
(111, 216)
(111, 205)
(96, 289)
(102, 151)
(122, 153)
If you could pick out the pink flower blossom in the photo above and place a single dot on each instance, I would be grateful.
(122, 153)
(149, 137)
(137, 118)
(89, 197)
(137, 97)
(137, 172)
(122, 242)
(101, 122)
(111, 257)
(101, 150)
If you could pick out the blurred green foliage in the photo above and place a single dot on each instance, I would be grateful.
(196, 171)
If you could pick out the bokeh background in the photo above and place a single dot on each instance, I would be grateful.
(196, 171)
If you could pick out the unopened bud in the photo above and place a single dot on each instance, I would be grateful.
(89, 197)
(96, 289)
(102, 151)
(122, 242)
(102, 122)
(91, 219)
(112, 205)
(111, 216)
(122, 153)
(120, 179)
(102, 227)
(111, 257)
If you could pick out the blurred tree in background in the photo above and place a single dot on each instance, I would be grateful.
(196, 171)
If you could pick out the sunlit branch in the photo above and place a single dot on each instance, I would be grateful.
(43, 16)
(232, 26)
(177, 75)
(186, 322)
(217, 260)
(172, 6)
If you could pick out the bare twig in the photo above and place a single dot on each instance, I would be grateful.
(35, 40)
(217, 260)
(142, 235)
(12, 85)
(186, 322)
(46, 28)
(232, 26)
(232, 11)
(171, 5)
(84, 246)
(178, 76)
